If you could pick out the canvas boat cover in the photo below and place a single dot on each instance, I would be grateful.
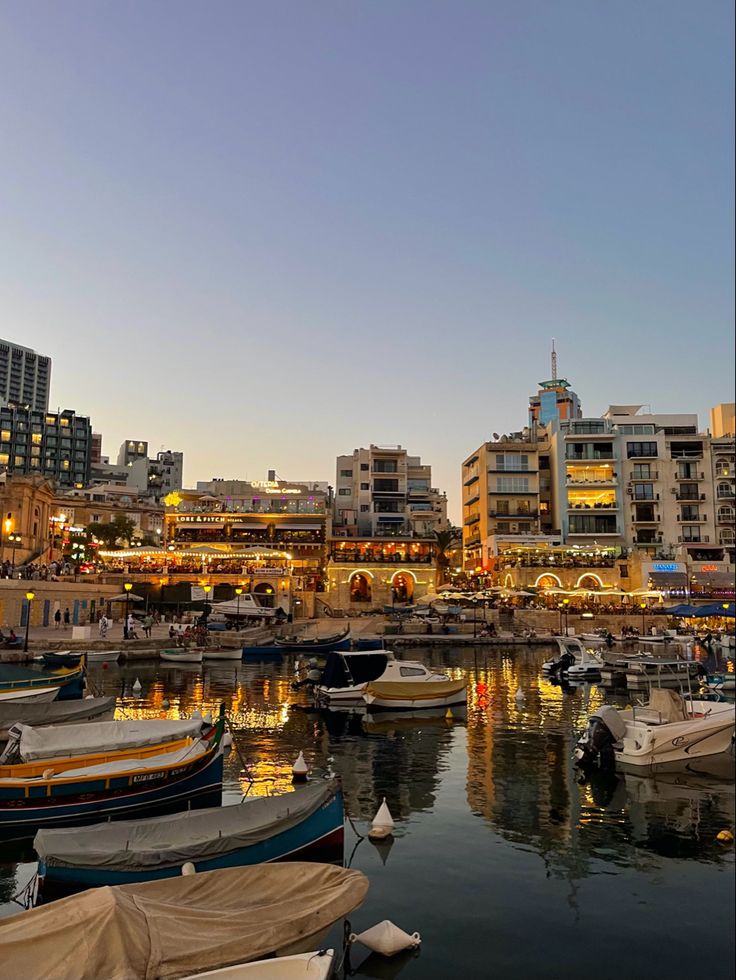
(160, 930)
(349, 669)
(413, 690)
(52, 712)
(101, 736)
(669, 704)
(197, 835)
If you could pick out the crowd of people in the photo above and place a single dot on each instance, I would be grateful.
(37, 571)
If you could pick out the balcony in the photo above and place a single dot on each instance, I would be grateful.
(681, 539)
(471, 478)
(588, 456)
(680, 495)
(645, 539)
(472, 542)
(696, 453)
(595, 507)
(656, 519)
(527, 515)
(698, 519)
(654, 475)
(350, 557)
(692, 475)
(473, 519)
(726, 516)
(495, 468)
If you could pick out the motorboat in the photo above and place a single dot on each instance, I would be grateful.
(598, 638)
(61, 658)
(41, 695)
(315, 965)
(669, 728)
(303, 823)
(170, 928)
(222, 653)
(31, 712)
(575, 662)
(646, 671)
(410, 694)
(93, 656)
(345, 675)
(311, 644)
(183, 655)
(721, 682)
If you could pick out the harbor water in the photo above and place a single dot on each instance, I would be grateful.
(504, 861)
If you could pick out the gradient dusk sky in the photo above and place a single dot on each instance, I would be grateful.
(268, 233)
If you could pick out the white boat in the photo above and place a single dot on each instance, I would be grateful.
(594, 639)
(181, 655)
(668, 729)
(408, 695)
(648, 671)
(223, 653)
(94, 656)
(362, 668)
(304, 966)
(38, 694)
(575, 661)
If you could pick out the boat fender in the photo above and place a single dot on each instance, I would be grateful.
(188, 868)
(386, 938)
(383, 825)
(300, 769)
(137, 686)
(227, 740)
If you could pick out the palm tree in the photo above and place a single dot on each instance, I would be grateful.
(445, 542)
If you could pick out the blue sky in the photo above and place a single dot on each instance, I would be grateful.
(267, 233)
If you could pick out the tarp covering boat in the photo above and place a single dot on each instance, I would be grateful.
(348, 669)
(171, 928)
(134, 845)
(103, 736)
(413, 691)
(53, 713)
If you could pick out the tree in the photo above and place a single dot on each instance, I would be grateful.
(445, 542)
(119, 529)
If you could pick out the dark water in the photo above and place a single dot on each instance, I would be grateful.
(504, 863)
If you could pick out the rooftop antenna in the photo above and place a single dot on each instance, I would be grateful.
(554, 361)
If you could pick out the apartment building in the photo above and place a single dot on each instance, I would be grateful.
(25, 377)
(55, 445)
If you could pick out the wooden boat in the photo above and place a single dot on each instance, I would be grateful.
(289, 826)
(368, 643)
(67, 680)
(222, 653)
(406, 696)
(166, 929)
(265, 652)
(182, 655)
(61, 658)
(99, 655)
(58, 795)
(40, 695)
(309, 644)
(31, 712)
(315, 965)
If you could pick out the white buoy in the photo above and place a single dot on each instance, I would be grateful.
(386, 938)
(519, 696)
(137, 686)
(196, 714)
(188, 868)
(383, 823)
(227, 740)
(300, 769)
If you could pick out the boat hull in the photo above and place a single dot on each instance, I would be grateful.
(39, 695)
(314, 965)
(678, 744)
(380, 697)
(322, 834)
(61, 713)
(182, 656)
(223, 654)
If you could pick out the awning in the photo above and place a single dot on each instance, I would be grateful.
(250, 525)
(298, 527)
(669, 580)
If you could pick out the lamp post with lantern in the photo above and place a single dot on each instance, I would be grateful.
(30, 596)
(643, 607)
(206, 589)
(127, 586)
(14, 540)
(238, 593)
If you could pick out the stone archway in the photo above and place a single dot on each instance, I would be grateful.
(402, 587)
(548, 581)
(589, 582)
(361, 589)
(266, 594)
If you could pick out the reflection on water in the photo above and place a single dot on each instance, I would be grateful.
(487, 804)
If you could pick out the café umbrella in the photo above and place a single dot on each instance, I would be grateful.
(124, 596)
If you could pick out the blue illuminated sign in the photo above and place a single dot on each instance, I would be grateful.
(666, 566)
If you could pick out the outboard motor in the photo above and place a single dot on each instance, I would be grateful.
(11, 753)
(559, 666)
(605, 728)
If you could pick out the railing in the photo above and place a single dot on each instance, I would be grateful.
(697, 519)
(679, 495)
(588, 456)
(521, 515)
(647, 520)
(689, 476)
(686, 453)
(654, 475)
(473, 519)
(725, 494)
(471, 478)
(353, 558)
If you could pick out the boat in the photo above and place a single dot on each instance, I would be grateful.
(311, 644)
(645, 671)
(100, 655)
(721, 682)
(575, 662)
(345, 675)
(41, 695)
(182, 655)
(289, 826)
(267, 651)
(668, 729)
(170, 928)
(57, 795)
(408, 695)
(68, 681)
(222, 653)
(366, 643)
(598, 638)
(315, 965)
(31, 712)
(61, 658)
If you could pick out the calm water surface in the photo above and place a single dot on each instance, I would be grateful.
(502, 860)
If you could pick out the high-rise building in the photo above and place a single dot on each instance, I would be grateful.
(132, 450)
(165, 473)
(555, 401)
(96, 451)
(25, 377)
(723, 420)
(56, 445)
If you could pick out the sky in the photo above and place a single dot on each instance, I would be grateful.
(269, 233)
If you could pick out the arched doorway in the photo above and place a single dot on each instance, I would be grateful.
(266, 594)
(402, 587)
(360, 587)
(548, 581)
(590, 583)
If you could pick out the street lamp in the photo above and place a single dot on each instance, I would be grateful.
(238, 593)
(14, 539)
(127, 586)
(475, 618)
(565, 604)
(206, 589)
(30, 596)
(643, 607)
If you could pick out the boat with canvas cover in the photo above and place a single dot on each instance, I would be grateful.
(35, 714)
(345, 675)
(408, 695)
(314, 644)
(58, 795)
(668, 729)
(40, 695)
(289, 826)
(168, 929)
(17, 680)
(315, 965)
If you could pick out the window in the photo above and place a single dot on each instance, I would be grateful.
(512, 461)
(411, 672)
(364, 508)
(344, 492)
(385, 466)
(502, 507)
(644, 512)
(690, 533)
(592, 524)
(512, 484)
(365, 486)
(364, 466)
(386, 486)
(644, 491)
(346, 472)
(634, 449)
(642, 471)
(690, 512)
(725, 490)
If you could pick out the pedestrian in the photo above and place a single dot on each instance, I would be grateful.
(57, 619)
(67, 618)
(147, 624)
(103, 626)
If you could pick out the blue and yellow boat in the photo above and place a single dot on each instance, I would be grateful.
(18, 681)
